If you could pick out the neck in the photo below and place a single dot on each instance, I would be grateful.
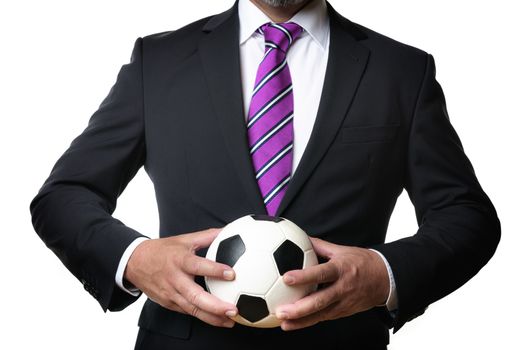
(279, 14)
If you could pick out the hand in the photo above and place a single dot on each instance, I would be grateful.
(358, 280)
(164, 270)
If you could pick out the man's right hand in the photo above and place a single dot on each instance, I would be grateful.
(164, 270)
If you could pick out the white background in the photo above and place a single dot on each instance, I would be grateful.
(58, 60)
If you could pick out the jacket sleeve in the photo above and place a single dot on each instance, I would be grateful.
(72, 210)
(458, 226)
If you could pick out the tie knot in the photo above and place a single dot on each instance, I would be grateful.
(280, 35)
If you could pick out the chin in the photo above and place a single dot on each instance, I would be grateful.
(283, 3)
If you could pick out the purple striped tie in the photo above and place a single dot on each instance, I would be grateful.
(270, 117)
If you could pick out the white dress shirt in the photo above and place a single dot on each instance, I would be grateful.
(307, 59)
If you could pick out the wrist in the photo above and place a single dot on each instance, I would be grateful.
(133, 263)
(383, 283)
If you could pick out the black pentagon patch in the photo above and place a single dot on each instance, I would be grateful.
(230, 250)
(259, 217)
(252, 308)
(288, 257)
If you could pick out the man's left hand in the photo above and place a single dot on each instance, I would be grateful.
(355, 279)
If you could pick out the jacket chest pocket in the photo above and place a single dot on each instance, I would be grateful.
(369, 134)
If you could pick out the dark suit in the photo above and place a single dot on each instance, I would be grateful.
(176, 109)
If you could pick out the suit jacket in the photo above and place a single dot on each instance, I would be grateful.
(176, 109)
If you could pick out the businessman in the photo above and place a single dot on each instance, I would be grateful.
(284, 108)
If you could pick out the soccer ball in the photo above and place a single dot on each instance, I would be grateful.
(260, 249)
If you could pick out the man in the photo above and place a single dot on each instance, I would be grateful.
(357, 117)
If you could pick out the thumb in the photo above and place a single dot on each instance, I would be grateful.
(203, 239)
(323, 248)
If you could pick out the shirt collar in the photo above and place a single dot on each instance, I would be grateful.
(313, 18)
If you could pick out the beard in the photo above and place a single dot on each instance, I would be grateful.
(283, 3)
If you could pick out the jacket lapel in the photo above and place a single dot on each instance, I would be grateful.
(219, 53)
(346, 63)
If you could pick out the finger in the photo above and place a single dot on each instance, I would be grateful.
(210, 318)
(198, 266)
(323, 248)
(317, 274)
(202, 239)
(198, 297)
(308, 305)
(309, 320)
(168, 304)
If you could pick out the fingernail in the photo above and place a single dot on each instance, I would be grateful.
(289, 280)
(228, 274)
(282, 315)
(231, 313)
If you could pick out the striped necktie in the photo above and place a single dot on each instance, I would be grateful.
(270, 116)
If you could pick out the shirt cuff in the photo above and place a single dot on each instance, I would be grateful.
(391, 301)
(119, 276)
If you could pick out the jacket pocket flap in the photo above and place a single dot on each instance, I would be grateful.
(359, 134)
(166, 322)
